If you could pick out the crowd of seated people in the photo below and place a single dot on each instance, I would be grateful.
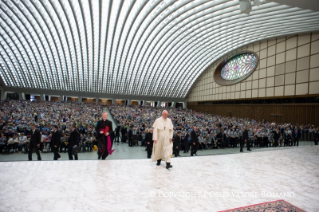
(213, 131)
(16, 118)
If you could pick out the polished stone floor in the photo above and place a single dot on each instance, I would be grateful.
(206, 183)
(123, 151)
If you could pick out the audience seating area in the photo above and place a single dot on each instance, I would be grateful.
(214, 131)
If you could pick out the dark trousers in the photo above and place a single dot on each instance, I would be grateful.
(117, 138)
(186, 146)
(56, 154)
(36, 148)
(235, 141)
(276, 142)
(232, 141)
(241, 144)
(287, 142)
(194, 149)
(105, 154)
(316, 141)
(71, 155)
(130, 140)
(149, 148)
(176, 150)
(265, 141)
(248, 144)
(296, 141)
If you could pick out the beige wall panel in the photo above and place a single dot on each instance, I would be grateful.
(291, 66)
(291, 54)
(314, 74)
(290, 78)
(303, 63)
(302, 76)
(289, 90)
(303, 51)
(270, 81)
(281, 47)
(302, 39)
(291, 43)
(314, 61)
(280, 58)
(279, 91)
(302, 89)
(279, 80)
(314, 88)
(270, 92)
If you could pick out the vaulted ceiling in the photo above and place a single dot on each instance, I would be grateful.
(133, 47)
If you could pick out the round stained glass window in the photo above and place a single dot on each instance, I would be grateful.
(236, 68)
(239, 66)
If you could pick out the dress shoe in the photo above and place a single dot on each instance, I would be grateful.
(158, 162)
(168, 165)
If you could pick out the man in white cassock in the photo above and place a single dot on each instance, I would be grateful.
(162, 137)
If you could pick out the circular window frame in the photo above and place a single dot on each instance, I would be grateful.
(217, 74)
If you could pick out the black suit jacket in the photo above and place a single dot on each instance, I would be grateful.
(35, 137)
(56, 139)
(130, 133)
(194, 137)
(123, 130)
(118, 130)
(149, 138)
(74, 138)
(245, 134)
(101, 125)
(177, 140)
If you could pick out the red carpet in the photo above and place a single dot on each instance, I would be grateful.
(273, 206)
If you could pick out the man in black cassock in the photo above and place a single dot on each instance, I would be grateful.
(55, 142)
(35, 141)
(177, 143)
(102, 138)
(149, 142)
(194, 142)
(73, 142)
(246, 140)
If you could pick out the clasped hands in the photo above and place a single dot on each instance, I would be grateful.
(170, 140)
(101, 132)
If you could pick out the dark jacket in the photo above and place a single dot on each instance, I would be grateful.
(186, 139)
(177, 140)
(118, 130)
(74, 138)
(194, 138)
(245, 134)
(149, 138)
(56, 139)
(35, 137)
(130, 133)
(123, 130)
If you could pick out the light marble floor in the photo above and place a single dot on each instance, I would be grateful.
(140, 185)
